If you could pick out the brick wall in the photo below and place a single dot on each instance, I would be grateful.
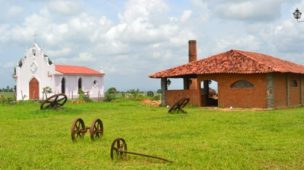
(302, 89)
(294, 91)
(255, 97)
(285, 93)
(173, 96)
(280, 88)
(240, 97)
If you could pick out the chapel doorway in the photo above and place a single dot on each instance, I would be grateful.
(34, 89)
(63, 85)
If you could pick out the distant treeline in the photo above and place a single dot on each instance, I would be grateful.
(112, 93)
(7, 89)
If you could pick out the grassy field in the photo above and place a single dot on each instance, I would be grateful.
(7, 94)
(201, 139)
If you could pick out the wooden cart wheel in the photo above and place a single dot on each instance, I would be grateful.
(119, 149)
(96, 129)
(54, 101)
(78, 129)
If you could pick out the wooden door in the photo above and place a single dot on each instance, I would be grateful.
(34, 89)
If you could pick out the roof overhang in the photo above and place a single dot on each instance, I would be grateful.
(232, 62)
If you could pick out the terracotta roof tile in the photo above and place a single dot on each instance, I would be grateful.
(233, 61)
(68, 69)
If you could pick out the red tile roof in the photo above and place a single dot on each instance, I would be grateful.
(233, 61)
(67, 69)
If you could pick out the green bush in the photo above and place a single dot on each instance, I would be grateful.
(110, 94)
(157, 97)
(150, 93)
(7, 99)
(83, 97)
(2, 99)
(134, 93)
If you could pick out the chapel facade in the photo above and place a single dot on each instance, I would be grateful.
(36, 72)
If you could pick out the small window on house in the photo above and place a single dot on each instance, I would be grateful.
(242, 84)
(94, 82)
(294, 83)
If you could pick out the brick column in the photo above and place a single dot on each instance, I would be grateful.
(287, 90)
(270, 91)
(164, 88)
(301, 90)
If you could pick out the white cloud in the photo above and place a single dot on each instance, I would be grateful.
(186, 15)
(66, 7)
(247, 10)
(249, 42)
(85, 57)
(64, 52)
(143, 8)
(14, 11)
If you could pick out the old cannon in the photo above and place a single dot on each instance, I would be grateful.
(54, 102)
(78, 129)
(179, 105)
(119, 151)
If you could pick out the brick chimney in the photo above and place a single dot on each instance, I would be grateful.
(192, 50)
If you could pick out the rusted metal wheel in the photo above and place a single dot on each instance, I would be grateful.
(183, 104)
(119, 149)
(173, 108)
(179, 105)
(96, 129)
(54, 101)
(78, 129)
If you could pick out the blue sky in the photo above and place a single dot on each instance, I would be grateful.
(130, 39)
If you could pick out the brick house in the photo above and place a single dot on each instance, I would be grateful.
(245, 79)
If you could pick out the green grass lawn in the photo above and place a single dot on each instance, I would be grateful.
(201, 139)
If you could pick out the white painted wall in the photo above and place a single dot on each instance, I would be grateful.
(47, 76)
(71, 85)
(43, 73)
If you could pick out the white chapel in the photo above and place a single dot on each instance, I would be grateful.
(35, 71)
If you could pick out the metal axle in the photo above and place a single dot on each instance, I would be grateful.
(149, 156)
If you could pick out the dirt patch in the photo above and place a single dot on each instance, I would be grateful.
(151, 102)
(237, 109)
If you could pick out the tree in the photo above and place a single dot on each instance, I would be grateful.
(150, 93)
(110, 94)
